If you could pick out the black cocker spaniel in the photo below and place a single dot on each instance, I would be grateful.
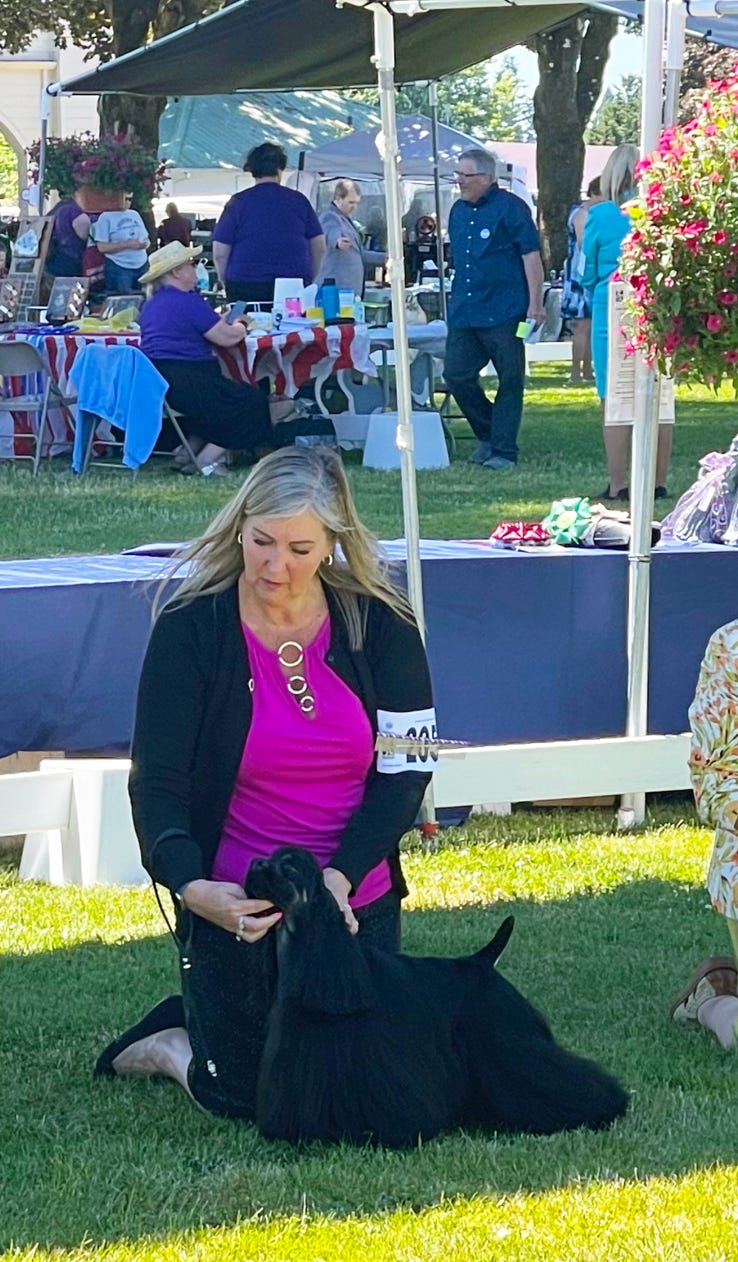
(371, 1047)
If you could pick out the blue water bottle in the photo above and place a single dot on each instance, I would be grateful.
(329, 299)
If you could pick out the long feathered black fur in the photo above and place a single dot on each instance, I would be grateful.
(371, 1047)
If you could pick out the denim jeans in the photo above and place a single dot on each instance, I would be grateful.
(122, 280)
(467, 352)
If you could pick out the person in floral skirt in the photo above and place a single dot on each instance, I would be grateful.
(710, 997)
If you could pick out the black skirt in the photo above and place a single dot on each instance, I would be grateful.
(231, 414)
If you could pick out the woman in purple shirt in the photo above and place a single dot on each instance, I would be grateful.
(70, 230)
(265, 232)
(179, 334)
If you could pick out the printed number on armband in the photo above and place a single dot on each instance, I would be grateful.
(418, 727)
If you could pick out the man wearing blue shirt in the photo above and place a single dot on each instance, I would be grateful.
(498, 281)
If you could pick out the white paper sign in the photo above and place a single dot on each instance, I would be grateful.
(621, 368)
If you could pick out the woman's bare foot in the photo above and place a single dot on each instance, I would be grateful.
(166, 1054)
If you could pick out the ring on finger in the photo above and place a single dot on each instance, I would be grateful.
(241, 928)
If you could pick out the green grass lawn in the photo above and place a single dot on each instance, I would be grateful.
(607, 929)
(561, 455)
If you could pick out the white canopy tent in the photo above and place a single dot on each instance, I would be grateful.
(359, 155)
(656, 60)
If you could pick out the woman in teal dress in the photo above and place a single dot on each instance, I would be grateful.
(606, 227)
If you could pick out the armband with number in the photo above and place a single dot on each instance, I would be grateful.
(407, 740)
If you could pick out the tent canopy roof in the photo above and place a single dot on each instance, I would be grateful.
(360, 154)
(260, 44)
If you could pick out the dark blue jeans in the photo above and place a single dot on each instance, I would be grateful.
(467, 352)
(122, 280)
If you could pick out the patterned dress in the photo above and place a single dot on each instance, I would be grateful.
(574, 301)
(713, 717)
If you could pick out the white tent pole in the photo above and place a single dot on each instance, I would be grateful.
(45, 106)
(644, 442)
(433, 109)
(384, 59)
(676, 23)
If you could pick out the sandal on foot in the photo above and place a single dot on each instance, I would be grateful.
(717, 975)
(167, 1015)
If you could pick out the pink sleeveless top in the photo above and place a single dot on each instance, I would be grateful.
(301, 778)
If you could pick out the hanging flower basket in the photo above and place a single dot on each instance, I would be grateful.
(116, 164)
(680, 260)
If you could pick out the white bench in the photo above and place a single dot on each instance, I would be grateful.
(547, 353)
(77, 818)
(486, 774)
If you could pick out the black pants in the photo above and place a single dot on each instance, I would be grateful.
(227, 987)
(231, 414)
(467, 353)
(250, 290)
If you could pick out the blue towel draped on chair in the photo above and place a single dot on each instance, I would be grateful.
(120, 385)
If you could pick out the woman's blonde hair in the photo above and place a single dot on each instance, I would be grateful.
(618, 182)
(284, 484)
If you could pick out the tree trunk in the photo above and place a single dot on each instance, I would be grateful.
(134, 23)
(123, 114)
(571, 65)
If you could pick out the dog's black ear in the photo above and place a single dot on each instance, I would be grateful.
(336, 978)
(493, 950)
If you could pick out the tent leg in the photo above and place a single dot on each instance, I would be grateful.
(384, 59)
(433, 108)
(644, 441)
(45, 107)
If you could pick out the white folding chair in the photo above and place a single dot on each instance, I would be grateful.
(21, 359)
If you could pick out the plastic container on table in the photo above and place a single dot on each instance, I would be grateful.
(329, 299)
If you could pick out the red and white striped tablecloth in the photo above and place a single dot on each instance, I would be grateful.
(293, 358)
(58, 351)
(289, 359)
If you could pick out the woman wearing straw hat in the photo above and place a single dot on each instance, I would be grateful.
(179, 334)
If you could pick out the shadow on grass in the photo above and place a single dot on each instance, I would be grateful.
(100, 1161)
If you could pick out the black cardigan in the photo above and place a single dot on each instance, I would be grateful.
(193, 714)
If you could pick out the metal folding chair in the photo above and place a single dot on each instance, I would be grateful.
(174, 419)
(22, 359)
(90, 422)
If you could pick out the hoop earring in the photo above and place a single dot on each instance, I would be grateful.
(239, 538)
(329, 559)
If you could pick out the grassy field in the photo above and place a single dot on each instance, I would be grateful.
(560, 455)
(608, 927)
